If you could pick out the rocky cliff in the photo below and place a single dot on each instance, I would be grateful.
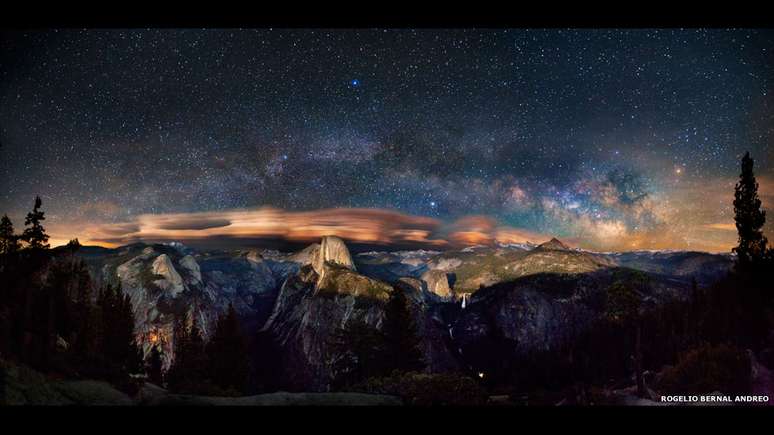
(534, 297)
(164, 281)
(313, 303)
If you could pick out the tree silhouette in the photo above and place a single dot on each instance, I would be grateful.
(400, 336)
(118, 343)
(154, 366)
(227, 351)
(624, 308)
(359, 353)
(9, 242)
(749, 218)
(190, 363)
(35, 235)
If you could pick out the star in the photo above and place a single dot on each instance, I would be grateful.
(571, 132)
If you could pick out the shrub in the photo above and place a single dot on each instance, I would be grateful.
(707, 369)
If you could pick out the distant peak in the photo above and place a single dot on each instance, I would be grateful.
(333, 249)
(554, 244)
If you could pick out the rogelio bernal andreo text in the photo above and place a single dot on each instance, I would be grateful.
(715, 399)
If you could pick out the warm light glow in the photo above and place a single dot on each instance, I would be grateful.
(696, 215)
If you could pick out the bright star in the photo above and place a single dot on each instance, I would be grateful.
(355, 82)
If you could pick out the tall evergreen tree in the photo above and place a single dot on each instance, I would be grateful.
(189, 365)
(176, 372)
(35, 235)
(131, 353)
(749, 217)
(400, 335)
(227, 353)
(118, 343)
(9, 242)
(154, 366)
(360, 352)
(195, 353)
(265, 363)
(623, 308)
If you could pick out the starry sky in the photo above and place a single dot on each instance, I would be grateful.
(608, 139)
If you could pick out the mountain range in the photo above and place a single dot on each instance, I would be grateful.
(536, 297)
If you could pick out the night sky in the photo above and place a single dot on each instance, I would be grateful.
(607, 139)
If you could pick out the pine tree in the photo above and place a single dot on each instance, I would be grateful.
(130, 353)
(227, 352)
(189, 365)
(154, 366)
(195, 353)
(118, 344)
(749, 218)
(265, 363)
(359, 351)
(9, 242)
(73, 245)
(400, 336)
(624, 308)
(106, 304)
(35, 235)
(86, 330)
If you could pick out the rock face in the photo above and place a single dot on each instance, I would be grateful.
(171, 281)
(194, 272)
(432, 320)
(543, 312)
(304, 320)
(311, 308)
(332, 251)
(164, 281)
(437, 283)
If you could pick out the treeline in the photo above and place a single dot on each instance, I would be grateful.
(218, 367)
(52, 316)
(54, 319)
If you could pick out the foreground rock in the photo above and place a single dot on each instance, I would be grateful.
(24, 386)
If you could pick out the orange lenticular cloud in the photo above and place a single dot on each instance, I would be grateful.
(371, 226)
(355, 224)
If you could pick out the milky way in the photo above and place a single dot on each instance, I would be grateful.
(610, 139)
